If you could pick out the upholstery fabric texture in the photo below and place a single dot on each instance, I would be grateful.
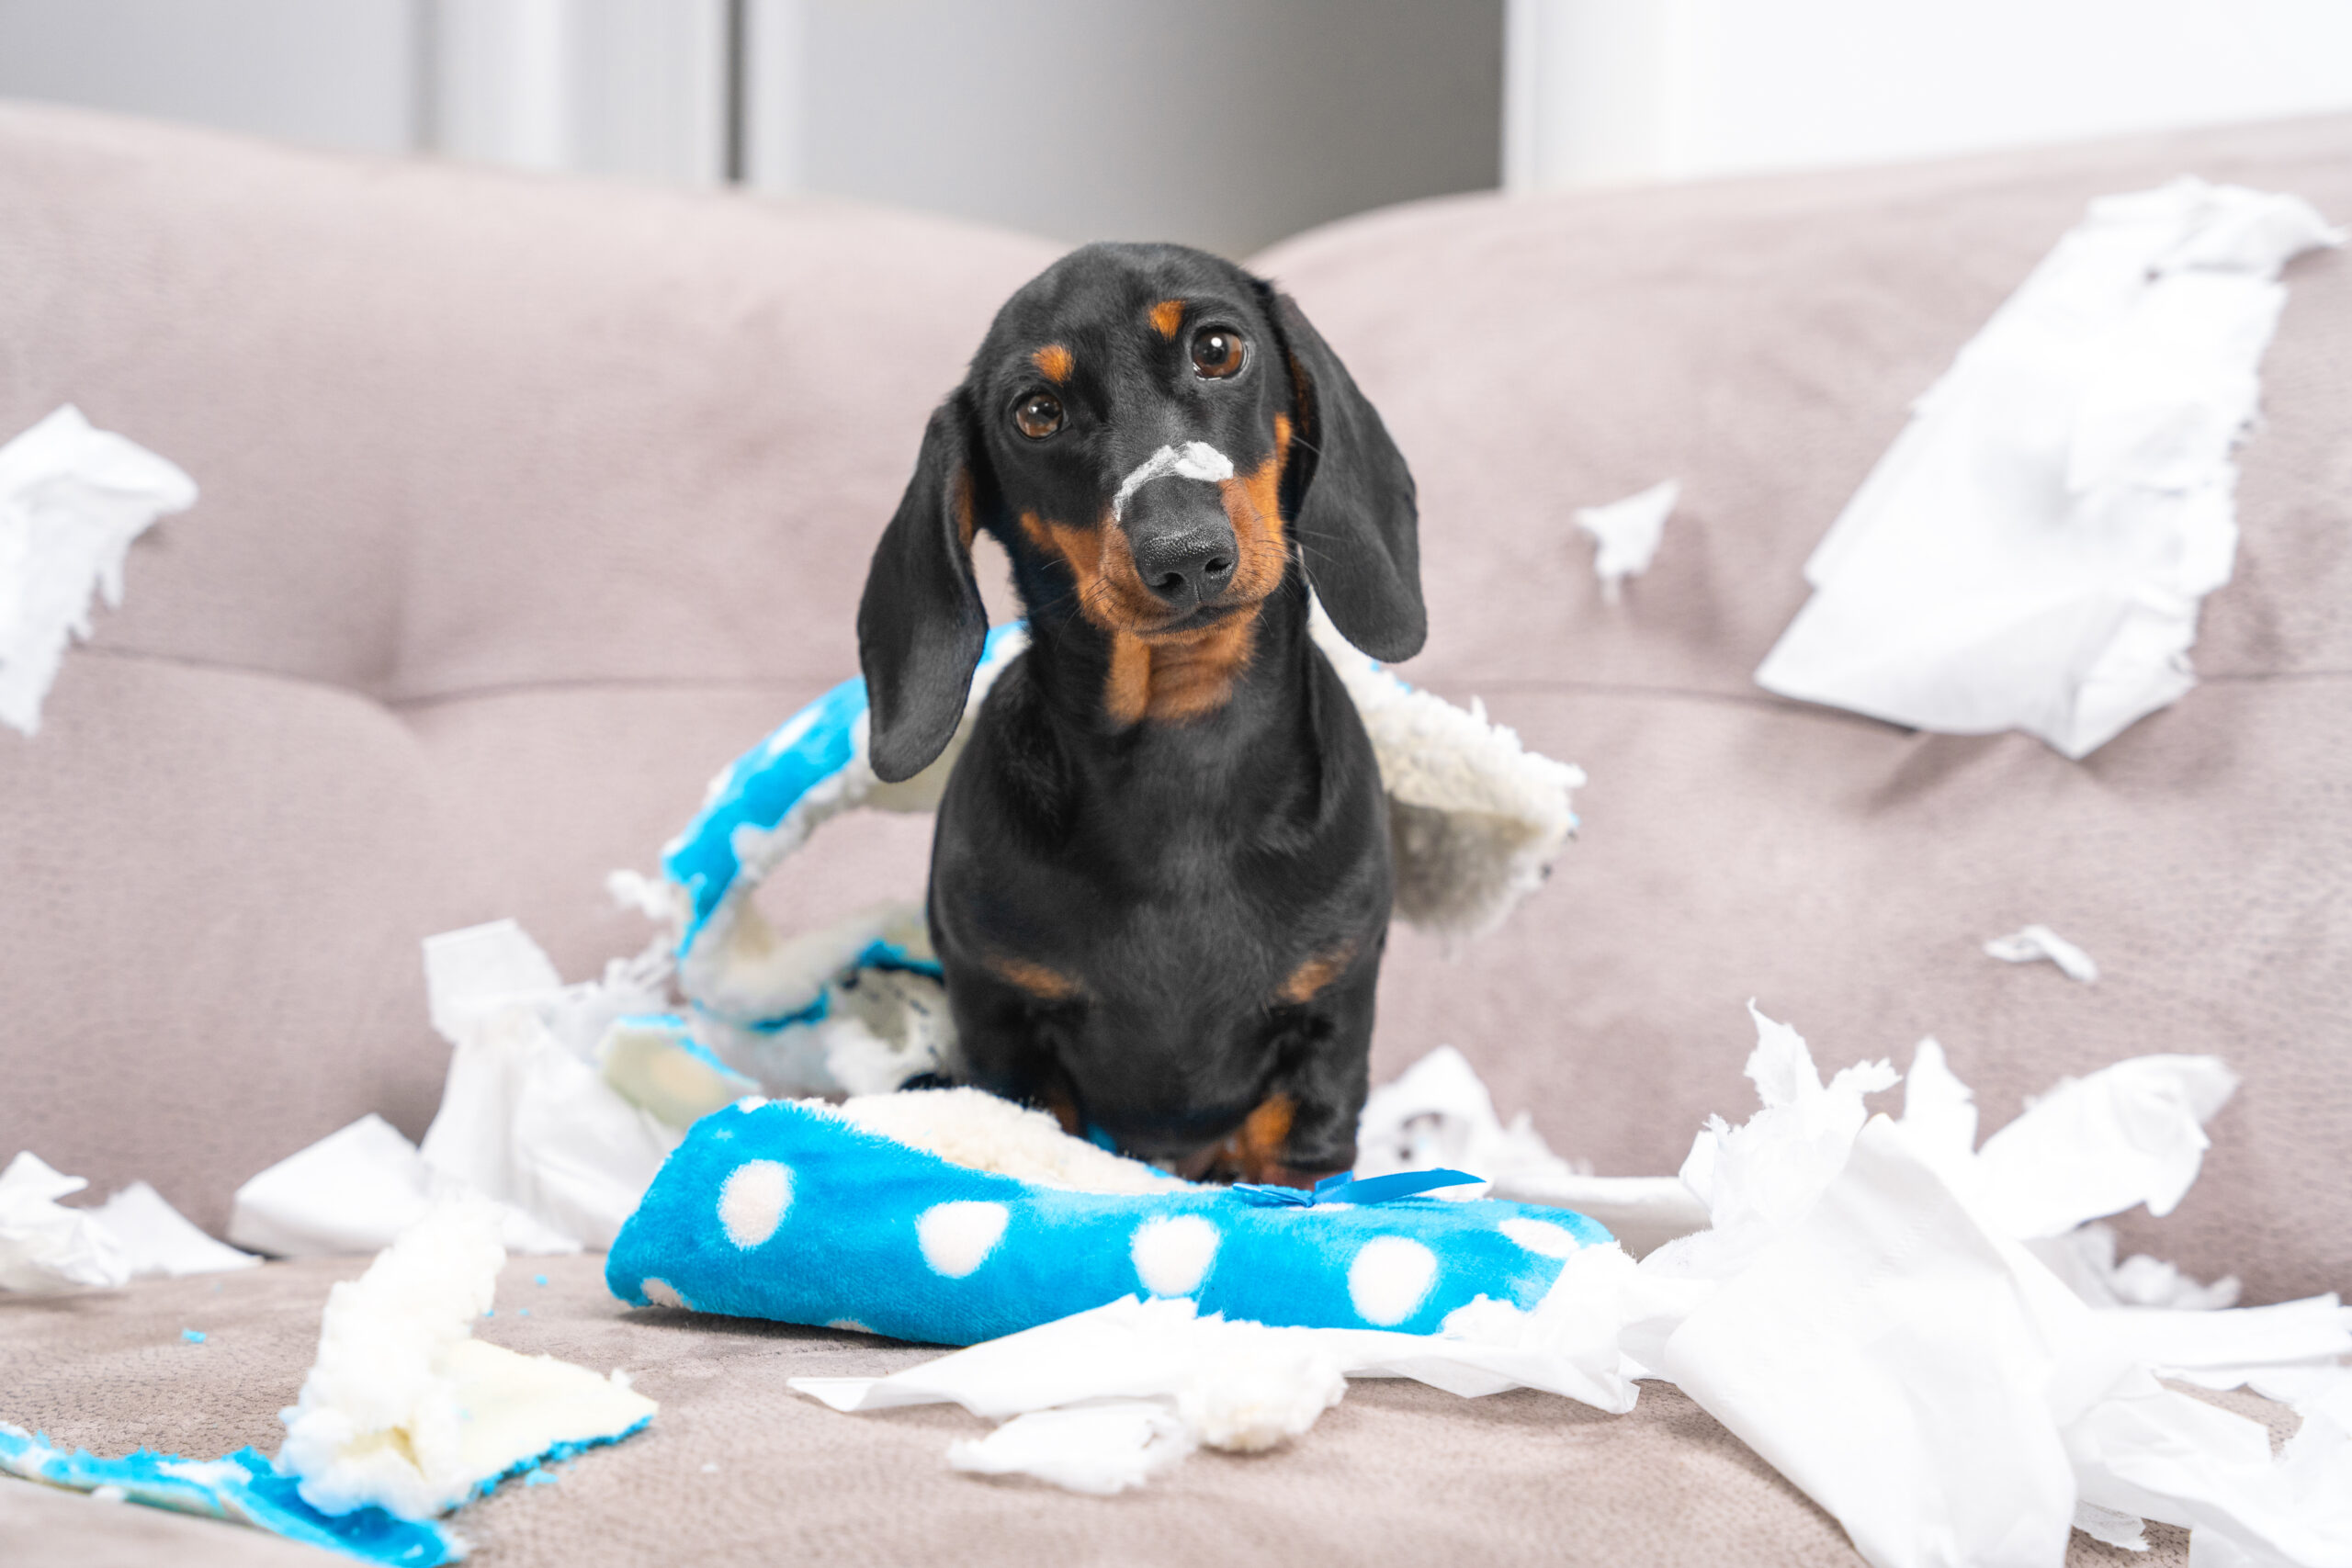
(528, 503)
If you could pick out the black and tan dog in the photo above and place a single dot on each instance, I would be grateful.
(1160, 885)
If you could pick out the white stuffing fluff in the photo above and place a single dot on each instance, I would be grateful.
(979, 1131)
(1476, 818)
(405, 1410)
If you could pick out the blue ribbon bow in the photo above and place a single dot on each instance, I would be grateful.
(1345, 1189)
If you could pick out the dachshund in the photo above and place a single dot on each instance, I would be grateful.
(1160, 880)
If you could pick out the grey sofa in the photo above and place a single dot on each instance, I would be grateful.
(528, 503)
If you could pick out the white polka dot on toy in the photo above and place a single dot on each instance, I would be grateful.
(1172, 1253)
(1389, 1277)
(662, 1294)
(1541, 1237)
(957, 1238)
(752, 1199)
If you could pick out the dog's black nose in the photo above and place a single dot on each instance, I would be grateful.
(1186, 566)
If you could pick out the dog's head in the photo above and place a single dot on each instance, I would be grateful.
(1155, 436)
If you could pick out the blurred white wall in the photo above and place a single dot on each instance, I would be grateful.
(1610, 91)
(1226, 123)
(338, 72)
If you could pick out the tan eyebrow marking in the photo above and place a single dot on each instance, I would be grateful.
(1167, 316)
(1045, 985)
(1055, 361)
(1318, 972)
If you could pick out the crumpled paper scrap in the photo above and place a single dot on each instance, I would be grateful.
(1247, 1387)
(46, 1247)
(2031, 945)
(1894, 1348)
(1626, 534)
(527, 1118)
(2031, 552)
(1439, 1113)
(353, 1192)
(1103, 1448)
(159, 1239)
(72, 499)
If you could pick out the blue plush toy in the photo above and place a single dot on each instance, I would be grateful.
(811, 1213)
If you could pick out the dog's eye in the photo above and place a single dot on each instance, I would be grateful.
(1039, 415)
(1218, 352)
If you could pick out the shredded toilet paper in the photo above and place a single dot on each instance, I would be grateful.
(2031, 944)
(45, 1246)
(1626, 534)
(529, 1118)
(1867, 1308)
(2031, 551)
(72, 500)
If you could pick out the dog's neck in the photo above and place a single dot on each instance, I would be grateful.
(1233, 700)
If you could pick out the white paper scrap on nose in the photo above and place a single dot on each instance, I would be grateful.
(1192, 460)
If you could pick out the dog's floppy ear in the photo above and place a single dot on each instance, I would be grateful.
(1350, 499)
(921, 624)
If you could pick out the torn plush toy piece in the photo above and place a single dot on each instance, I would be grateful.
(406, 1411)
(72, 500)
(404, 1414)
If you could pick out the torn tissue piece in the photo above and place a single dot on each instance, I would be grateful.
(1759, 1178)
(2085, 1258)
(1928, 1380)
(1626, 534)
(2031, 552)
(2096, 1145)
(1101, 1449)
(158, 1240)
(2035, 942)
(46, 1247)
(352, 1193)
(406, 1411)
(524, 1118)
(72, 500)
(1438, 1114)
(1881, 1353)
